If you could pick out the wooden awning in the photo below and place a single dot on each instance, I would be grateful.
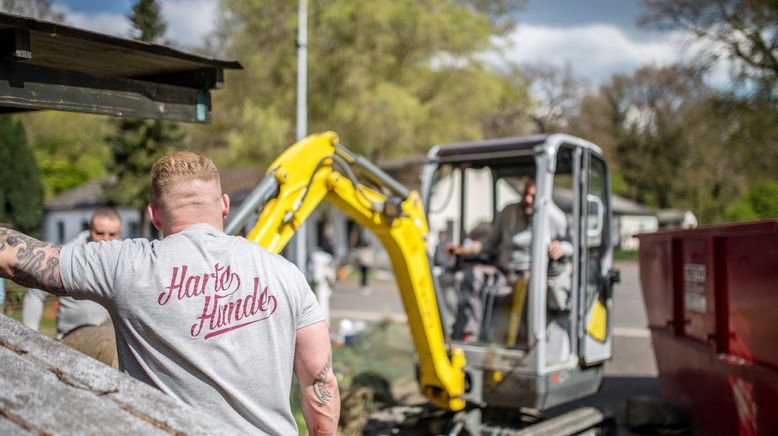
(45, 65)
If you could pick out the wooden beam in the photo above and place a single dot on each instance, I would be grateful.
(15, 44)
(28, 86)
(203, 78)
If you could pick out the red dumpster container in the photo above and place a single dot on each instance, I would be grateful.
(711, 296)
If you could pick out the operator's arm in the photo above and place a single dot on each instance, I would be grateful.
(491, 242)
(30, 262)
(560, 245)
(318, 385)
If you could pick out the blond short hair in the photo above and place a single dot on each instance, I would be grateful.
(105, 212)
(181, 167)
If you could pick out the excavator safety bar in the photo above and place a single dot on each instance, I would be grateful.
(318, 168)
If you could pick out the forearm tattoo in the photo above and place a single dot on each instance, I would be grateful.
(320, 383)
(35, 265)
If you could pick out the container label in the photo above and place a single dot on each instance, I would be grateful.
(694, 288)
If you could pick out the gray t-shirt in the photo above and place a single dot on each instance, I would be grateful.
(207, 318)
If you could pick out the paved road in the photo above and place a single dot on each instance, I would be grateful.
(631, 372)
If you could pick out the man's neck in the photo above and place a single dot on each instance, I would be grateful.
(181, 226)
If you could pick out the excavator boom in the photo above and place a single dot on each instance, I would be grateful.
(317, 168)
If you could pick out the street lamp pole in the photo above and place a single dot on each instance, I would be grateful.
(301, 249)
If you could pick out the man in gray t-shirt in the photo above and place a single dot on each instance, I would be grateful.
(104, 225)
(211, 319)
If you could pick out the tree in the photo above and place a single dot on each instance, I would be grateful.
(147, 23)
(21, 191)
(392, 77)
(70, 148)
(734, 134)
(557, 95)
(761, 201)
(644, 122)
(42, 9)
(746, 30)
(136, 144)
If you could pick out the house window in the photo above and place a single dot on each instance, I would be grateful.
(133, 225)
(84, 225)
(60, 232)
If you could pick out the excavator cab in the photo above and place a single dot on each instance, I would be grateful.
(543, 338)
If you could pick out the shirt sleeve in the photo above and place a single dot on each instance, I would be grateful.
(89, 271)
(310, 312)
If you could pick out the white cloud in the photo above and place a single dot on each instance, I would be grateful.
(188, 21)
(595, 51)
(102, 22)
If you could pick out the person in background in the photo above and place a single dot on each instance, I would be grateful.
(104, 225)
(365, 259)
(210, 319)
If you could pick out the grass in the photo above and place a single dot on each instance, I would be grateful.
(625, 255)
(13, 308)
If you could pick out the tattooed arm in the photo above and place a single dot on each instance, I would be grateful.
(318, 385)
(30, 262)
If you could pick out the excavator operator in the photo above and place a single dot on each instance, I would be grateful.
(509, 244)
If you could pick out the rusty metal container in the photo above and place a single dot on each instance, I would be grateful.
(711, 298)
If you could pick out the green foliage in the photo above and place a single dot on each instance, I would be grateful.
(134, 147)
(70, 148)
(147, 21)
(383, 348)
(761, 201)
(645, 116)
(392, 77)
(21, 191)
(136, 144)
(623, 255)
(674, 142)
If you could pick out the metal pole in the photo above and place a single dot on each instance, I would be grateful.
(301, 252)
(267, 188)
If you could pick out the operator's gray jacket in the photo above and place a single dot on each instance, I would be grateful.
(510, 238)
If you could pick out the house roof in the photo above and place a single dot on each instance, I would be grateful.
(675, 216)
(625, 206)
(621, 206)
(84, 196)
(237, 183)
(50, 65)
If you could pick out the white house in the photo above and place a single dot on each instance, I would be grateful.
(67, 214)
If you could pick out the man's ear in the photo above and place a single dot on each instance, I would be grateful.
(225, 206)
(154, 215)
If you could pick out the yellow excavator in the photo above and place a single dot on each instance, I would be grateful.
(527, 354)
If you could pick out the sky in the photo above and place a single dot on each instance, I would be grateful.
(597, 38)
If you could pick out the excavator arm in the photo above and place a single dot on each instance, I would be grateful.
(317, 168)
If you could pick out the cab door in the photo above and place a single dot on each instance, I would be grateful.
(595, 299)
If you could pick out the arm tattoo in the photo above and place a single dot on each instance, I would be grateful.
(320, 383)
(35, 265)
